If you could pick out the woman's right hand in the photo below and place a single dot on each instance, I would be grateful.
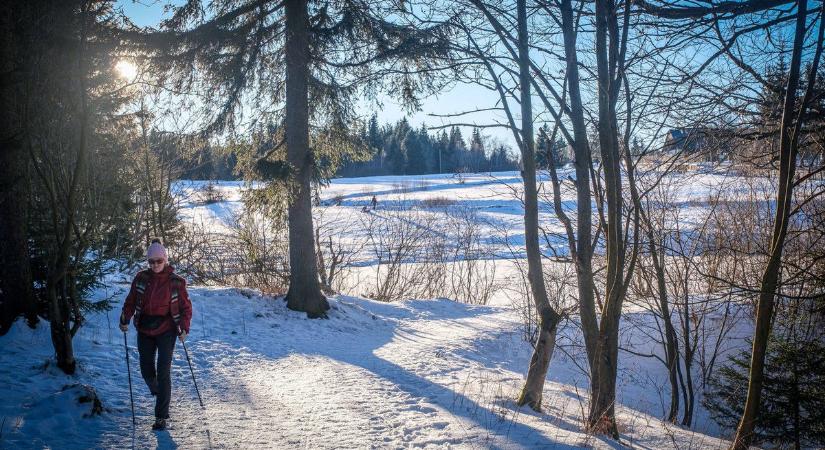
(124, 327)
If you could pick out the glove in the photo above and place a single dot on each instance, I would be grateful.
(124, 327)
(182, 336)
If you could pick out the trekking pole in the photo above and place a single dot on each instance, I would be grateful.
(129, 371)
(186, 352)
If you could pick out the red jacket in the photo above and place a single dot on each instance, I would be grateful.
(156, 302)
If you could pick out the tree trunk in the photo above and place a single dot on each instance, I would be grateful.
(601, 417)
(689, 352)
(671, 343)
(304, 288)
(581, 149)
(788, 144)
(60, 312)
(60, 330)
(531, 394)
(533, 389)
(690, 395)
(16, 290)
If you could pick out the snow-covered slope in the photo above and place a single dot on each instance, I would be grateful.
(418, 373)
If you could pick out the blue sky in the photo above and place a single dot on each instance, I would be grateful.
(461, 97)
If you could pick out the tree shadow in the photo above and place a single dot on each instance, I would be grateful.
(412, 188)
(337, 341)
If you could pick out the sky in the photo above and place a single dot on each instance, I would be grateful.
(458, 98)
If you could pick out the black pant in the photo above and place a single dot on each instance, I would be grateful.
(158, 378)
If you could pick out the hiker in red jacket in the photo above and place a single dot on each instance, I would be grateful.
(162, 311)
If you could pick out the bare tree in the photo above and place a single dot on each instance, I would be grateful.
(790, 130)
(518, 68)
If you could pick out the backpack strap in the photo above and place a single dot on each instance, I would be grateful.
(174, 305)
(141, 281)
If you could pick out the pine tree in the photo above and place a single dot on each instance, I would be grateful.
(396, 152)
(792, 407)
(74, 137)
(303, 62)
(428, 150)
(415, 151)
(456, 151)
(560, 154)
(19, 51)
(477, 156)
(442, 148)
(543, 148)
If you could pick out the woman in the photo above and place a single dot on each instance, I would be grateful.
(162, 311)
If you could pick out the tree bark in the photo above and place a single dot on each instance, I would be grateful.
(671, 342)
(583, 251)
(304, 288)
(549, 319)
(690, 396)
(788, 146)
(601, 417)
(16, 290)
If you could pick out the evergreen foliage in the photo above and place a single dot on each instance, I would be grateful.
(547, 152)
(400, 149)
(793, 398)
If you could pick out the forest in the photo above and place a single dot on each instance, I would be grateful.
(638, 196)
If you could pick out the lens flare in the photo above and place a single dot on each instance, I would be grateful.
(126, 69)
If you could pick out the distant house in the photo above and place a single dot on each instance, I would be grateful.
(714, 142)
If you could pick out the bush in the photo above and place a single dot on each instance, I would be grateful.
(210, 194)
(437, 202)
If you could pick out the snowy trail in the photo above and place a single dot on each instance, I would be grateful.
(412, 374)
(392, 387)
(415, 374)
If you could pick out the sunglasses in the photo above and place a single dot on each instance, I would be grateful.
(152, 262)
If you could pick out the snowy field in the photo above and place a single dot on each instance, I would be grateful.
(419, 373)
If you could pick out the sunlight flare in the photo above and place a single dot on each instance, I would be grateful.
(126, 69)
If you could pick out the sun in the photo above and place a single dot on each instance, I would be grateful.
(126, 69)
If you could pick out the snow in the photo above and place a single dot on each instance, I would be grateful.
(418, 373)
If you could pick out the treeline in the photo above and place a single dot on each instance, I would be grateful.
(388, 149)
(400, 149)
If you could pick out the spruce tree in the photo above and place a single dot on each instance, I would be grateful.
(298, 63)
(442, 147)
(456, 150)
(416, 158)
(792, 407)
(21, 47)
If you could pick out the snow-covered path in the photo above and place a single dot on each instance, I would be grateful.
(413, 374)
(396, 377)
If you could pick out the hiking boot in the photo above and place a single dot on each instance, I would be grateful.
(160, 424)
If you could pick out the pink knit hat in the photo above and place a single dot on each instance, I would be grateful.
(156, 250)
